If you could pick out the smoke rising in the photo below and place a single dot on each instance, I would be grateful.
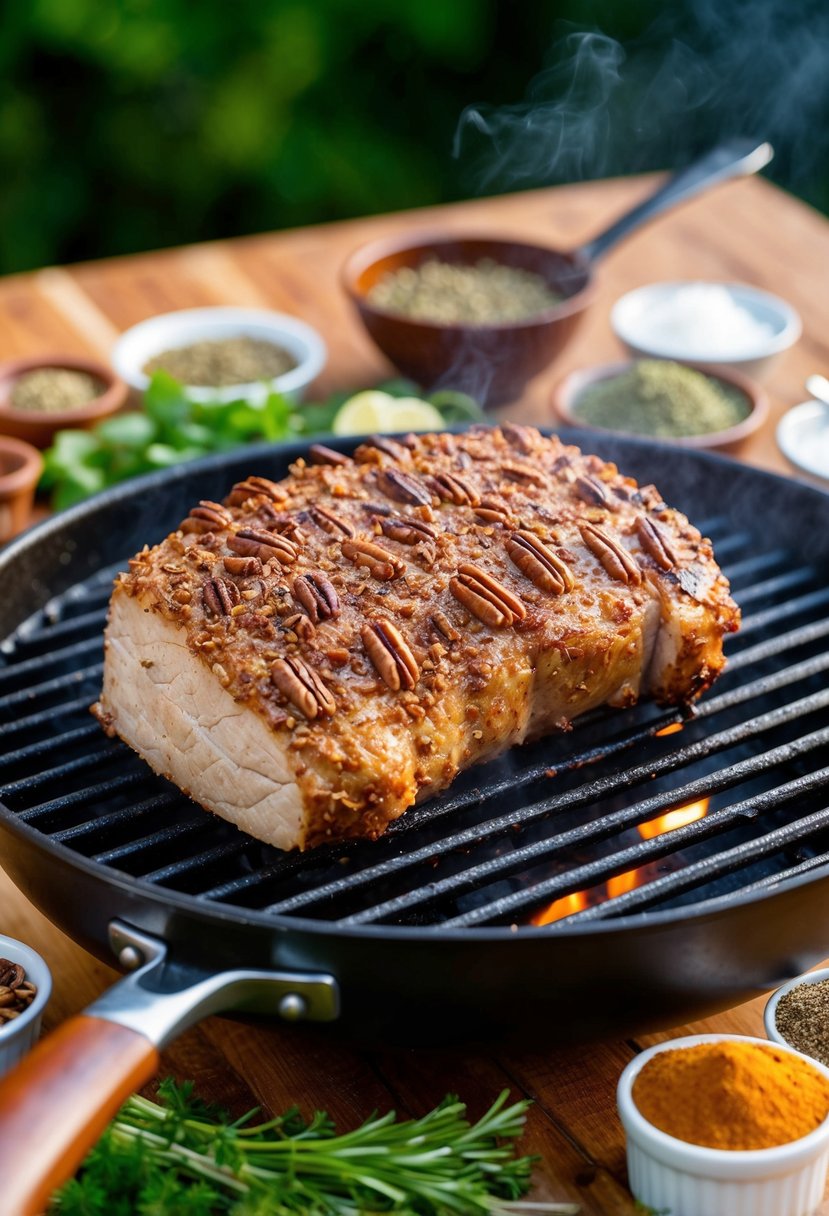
(705, 70)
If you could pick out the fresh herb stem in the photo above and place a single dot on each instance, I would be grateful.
(184, 1156)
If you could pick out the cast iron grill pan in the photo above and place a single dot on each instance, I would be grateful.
(556, 823)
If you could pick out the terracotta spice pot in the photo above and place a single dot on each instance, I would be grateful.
(20, 469)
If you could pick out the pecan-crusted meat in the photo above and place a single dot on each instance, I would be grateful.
(309, 658)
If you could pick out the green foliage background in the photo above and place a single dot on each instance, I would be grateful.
(135, 124)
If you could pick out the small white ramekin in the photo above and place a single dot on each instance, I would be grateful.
(681, 1179)
(770, 1011)
(629, 321)
(171, 330)
(19, 1036)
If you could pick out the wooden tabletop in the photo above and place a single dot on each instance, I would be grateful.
(747, 231)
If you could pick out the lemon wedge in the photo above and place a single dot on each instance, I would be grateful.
(375, 411)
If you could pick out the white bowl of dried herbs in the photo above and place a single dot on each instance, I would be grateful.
(223, 354)
(25, 987)
(797, 1015)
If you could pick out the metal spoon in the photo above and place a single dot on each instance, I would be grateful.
(818, 387)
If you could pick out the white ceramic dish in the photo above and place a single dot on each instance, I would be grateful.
(681, 1179)
(803, 437)
(19, 1037)
(629, 320)
(770, 1011)
(172, 330)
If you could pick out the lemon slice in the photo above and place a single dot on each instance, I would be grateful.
(411, 414)
(364, 413)
(375, 411)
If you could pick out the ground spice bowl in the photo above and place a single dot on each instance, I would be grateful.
(770, 1011)
(680, 1179)
(19, 1037)
(20, 469)
(39, 427)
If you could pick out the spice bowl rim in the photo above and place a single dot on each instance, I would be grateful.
(770, 1010)
(182, 326)
(698, 1159)
(38, 426)
(37, 970)
(26, 475)
(789, 330)
(567, 391)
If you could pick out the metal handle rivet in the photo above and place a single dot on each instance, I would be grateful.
(130, 958)
(292, 1007)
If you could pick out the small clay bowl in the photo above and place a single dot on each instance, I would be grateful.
(20, 469)
(39, 427)
(491, 362)
(568, 391)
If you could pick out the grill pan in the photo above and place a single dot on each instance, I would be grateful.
(426, 935)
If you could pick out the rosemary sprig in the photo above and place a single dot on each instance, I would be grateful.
(161, 1159)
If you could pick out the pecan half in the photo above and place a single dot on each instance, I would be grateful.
(611, 553)
(594, 492)
(12, 974)
(389, 447)
(390, 654)
(492, 511)
(540, 564)
(329, 522)
(257, 542)
(315, 594)
(254, 487)
(452, 489)
(655, 543)
(520, 437)
(243, 567)
(404, 487)
(379, 562)
(220, 596)
(406, 530)
(301, 685)
(320, 454)
(486, 598)
(206, 517)
(525, 474)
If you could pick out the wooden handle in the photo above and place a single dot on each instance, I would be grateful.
(57, 1102)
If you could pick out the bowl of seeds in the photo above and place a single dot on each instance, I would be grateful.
(223, 354)
(696, 407)
(478, 314)
(25, 987)
(797, 1015)
(42, 395)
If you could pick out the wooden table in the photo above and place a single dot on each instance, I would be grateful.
(747, 231)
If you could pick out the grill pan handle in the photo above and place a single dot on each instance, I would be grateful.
(58, 1101)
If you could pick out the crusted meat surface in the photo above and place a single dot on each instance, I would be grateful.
(311, 657)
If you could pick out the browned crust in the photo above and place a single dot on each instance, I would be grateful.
(283, 592)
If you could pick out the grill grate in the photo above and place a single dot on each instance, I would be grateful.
(549, 820)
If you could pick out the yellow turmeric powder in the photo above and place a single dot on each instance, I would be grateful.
(732, 1095)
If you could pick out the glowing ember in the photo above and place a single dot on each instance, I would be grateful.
(566, 906)
(671, 729)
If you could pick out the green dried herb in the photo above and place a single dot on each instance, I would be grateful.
(223, 362)
(482, 293)
(48, 390)
(663, 399)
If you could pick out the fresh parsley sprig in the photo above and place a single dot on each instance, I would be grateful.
(180, 1156)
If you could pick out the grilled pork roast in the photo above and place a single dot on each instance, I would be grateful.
(311, 657)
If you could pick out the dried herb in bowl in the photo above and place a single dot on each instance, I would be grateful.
(49, 390)
(452, 293)
(662, 399)
(223, 362)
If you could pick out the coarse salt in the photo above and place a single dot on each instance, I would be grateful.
(704, 321)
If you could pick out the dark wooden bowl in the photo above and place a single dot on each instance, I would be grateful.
(491, 362)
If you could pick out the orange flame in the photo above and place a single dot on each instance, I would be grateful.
(670, 729)
(672, 820)
(619, 884)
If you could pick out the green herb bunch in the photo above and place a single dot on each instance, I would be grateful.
(182, 1156)
(172, 429)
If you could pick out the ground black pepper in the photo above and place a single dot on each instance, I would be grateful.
(802, 1017)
